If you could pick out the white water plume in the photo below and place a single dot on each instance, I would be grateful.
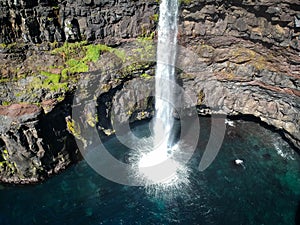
(163, 146)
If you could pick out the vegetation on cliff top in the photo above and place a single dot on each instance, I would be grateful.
(77, 56)
(54, 72)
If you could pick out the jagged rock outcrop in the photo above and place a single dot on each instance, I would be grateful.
(245, 61)
(34, 145)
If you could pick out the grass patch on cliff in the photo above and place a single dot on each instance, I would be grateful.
(48, 81)
(146, 76)
(73, 67)
(40, 85)
(139, 57)
(155, 17)
(78, 55)
(13, 45)
(5, 103)
(70, 50)
(5, 164)
(4, 80)
(185, 2)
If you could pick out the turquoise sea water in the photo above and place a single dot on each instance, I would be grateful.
(266, 190)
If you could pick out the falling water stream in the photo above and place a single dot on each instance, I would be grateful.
(165, 72)
(163, 123)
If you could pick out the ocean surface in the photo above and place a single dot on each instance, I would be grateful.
(264, 190)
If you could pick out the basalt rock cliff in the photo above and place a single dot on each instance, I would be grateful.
(42, 20)
(235, 57)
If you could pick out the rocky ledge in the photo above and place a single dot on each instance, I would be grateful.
(33, 146)
(236, 58)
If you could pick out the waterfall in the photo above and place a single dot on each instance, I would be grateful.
(165, 74)
(162, 127)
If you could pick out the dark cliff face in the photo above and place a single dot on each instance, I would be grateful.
(106, 20)
(250, 51)
(33, 145)
(247, 62)
(270, 22)
(267, 22)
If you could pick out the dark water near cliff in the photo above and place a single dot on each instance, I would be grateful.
(265, 191)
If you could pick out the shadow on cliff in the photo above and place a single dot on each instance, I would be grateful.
(251, 118)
